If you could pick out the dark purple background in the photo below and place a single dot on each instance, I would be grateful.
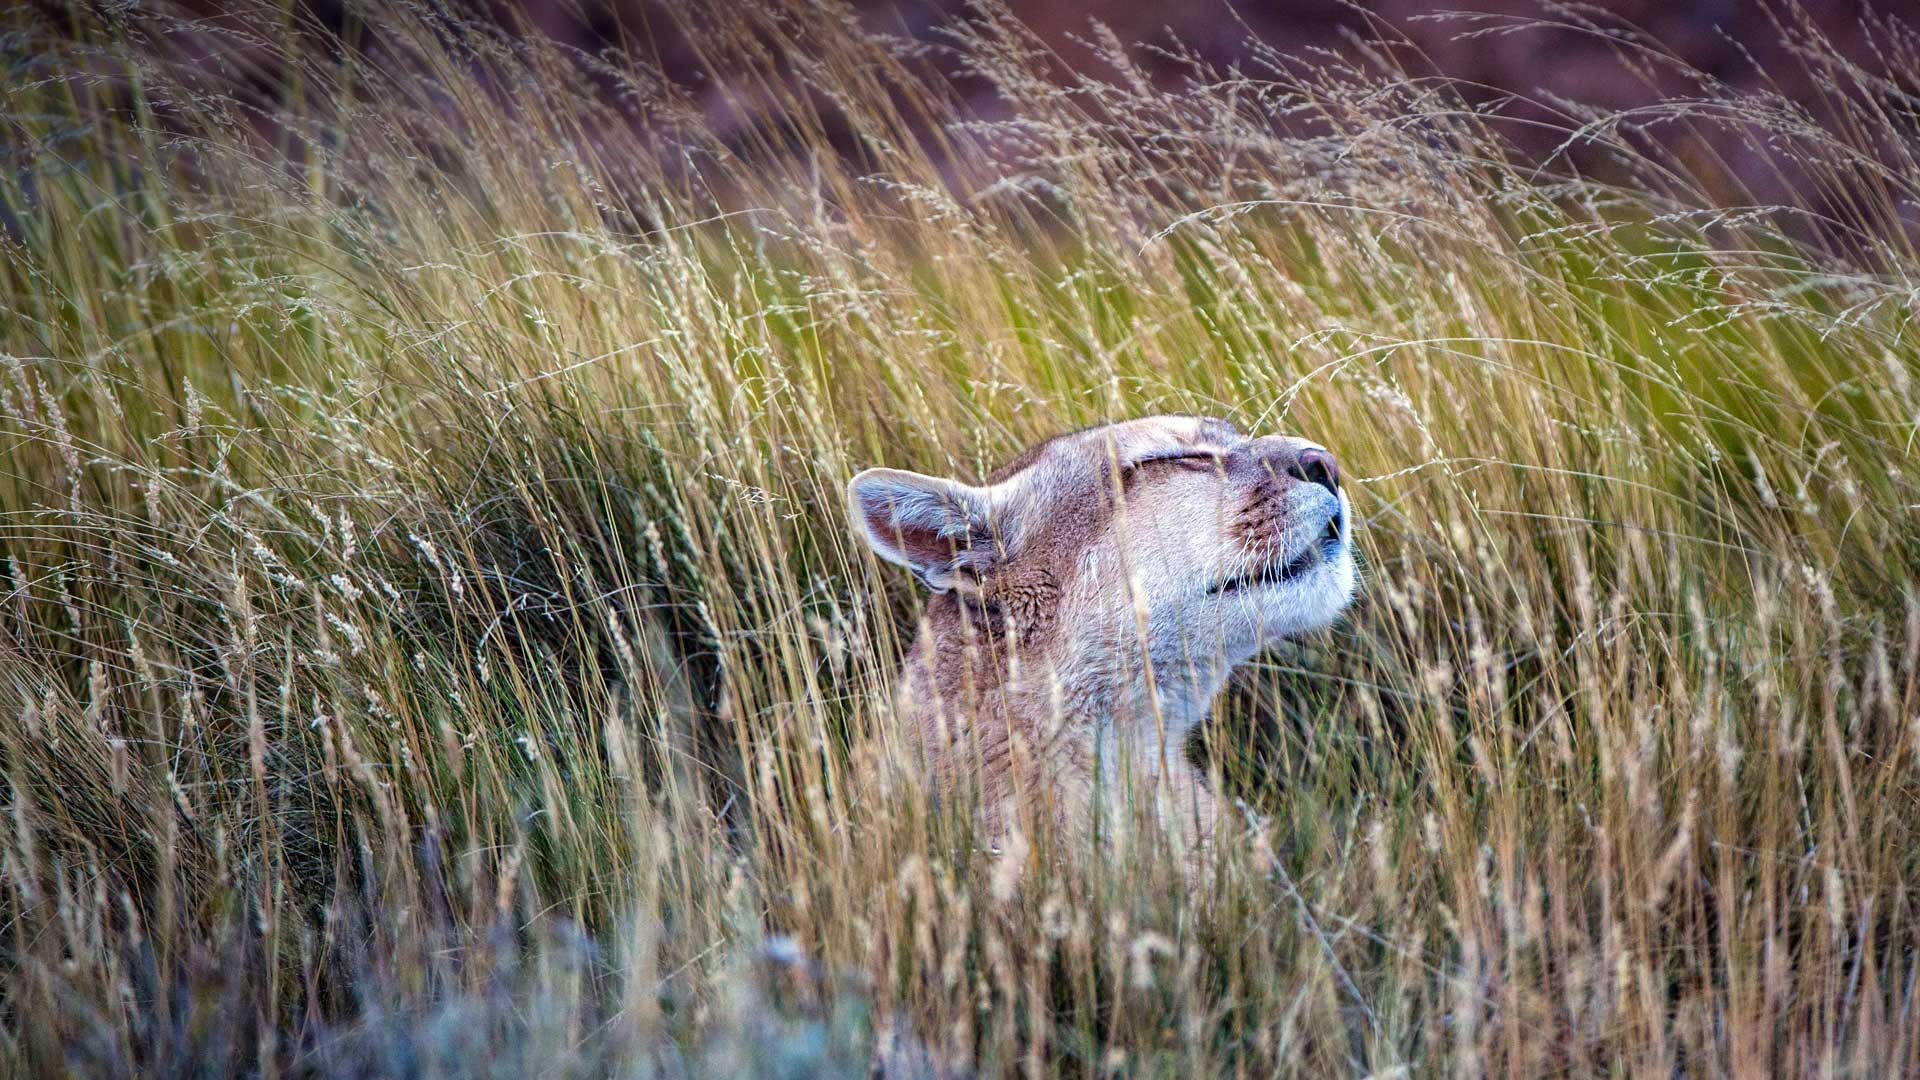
(1737, 42)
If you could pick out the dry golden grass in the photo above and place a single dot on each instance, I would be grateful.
(432, 644)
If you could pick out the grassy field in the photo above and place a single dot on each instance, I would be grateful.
(432, 643)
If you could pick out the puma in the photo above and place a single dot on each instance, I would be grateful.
(1091, 598)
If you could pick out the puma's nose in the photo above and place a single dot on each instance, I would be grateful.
(1316, 466)
(1275, 456)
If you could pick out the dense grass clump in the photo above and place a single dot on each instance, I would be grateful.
(431, 642)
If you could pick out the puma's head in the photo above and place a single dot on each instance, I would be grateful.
(1173, 533)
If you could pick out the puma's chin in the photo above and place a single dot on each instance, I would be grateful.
(1322, 552)
(1308, 582)
(1305, 592)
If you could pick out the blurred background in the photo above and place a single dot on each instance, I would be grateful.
(1528, 60)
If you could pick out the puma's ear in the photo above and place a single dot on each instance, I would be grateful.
(933, 527)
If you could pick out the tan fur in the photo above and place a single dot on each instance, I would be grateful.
(1079, 628)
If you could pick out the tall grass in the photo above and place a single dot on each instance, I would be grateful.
(432, 643)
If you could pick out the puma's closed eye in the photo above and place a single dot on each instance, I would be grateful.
(1198, 460)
